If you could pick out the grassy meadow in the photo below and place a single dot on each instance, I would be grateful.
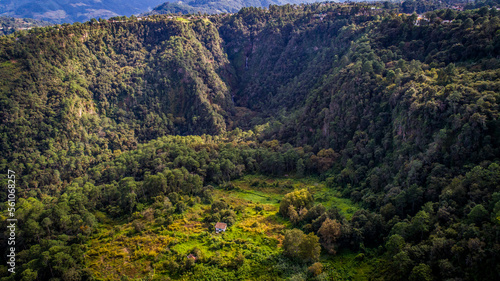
(144, 247)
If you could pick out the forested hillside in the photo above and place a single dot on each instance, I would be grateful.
(215, 7)
(338, 141)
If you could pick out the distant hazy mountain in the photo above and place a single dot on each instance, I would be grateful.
(217, 6)
(9, 25)
(59, 11)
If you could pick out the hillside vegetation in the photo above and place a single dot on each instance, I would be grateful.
(337, 141)
(215, 7)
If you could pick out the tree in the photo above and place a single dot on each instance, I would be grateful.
(47, 223)
(298, 246)
(401, 264)
(291, 243)
(180, 207)
(324, 159)
(292, 214)
(478, 214)
(367, 67)
(315, 269)
(421, 272)
(301, 167)
(329, 233)
(29, 275)
(420, 223)
(468, 23)
(218, 205)
(238, 261)
(299, 199)
(395, 244)
(310, 248)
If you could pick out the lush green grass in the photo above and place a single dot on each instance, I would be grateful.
(258, 197)
(330, 198)
(181, 19)
(347, 265)
(271, 190)
(119, 249)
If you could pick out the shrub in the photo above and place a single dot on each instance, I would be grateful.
(315, 269)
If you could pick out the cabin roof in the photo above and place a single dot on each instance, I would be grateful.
(220, 225)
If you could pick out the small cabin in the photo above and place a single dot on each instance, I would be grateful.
(220, 227)
(191, 256)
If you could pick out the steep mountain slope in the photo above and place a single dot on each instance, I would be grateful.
(328, 68)
(214, 7)
(107, 86)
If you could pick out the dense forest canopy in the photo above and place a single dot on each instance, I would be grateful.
(125, 128)
(232, 6)
(215, 7)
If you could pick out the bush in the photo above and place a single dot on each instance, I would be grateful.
(301, 247)
(255, 183)
(138, 226)
(160, 221)
(315, 269)
(299, 199)
(180, 207)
